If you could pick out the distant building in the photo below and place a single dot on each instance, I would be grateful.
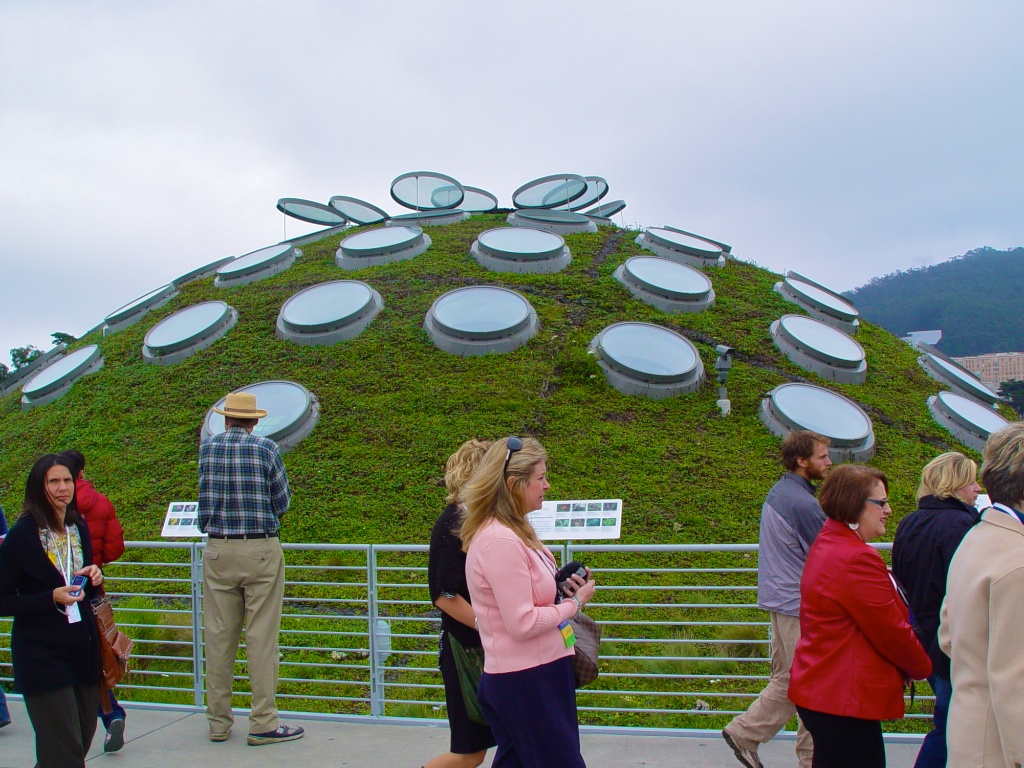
(995, 368)
(928, 337)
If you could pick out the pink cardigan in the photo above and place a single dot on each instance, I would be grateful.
(513, 595)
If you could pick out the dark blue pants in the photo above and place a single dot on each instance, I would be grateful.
(532, 714)
(5, 715)
(116, 713)
(933, 750)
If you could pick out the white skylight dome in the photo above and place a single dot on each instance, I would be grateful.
(791, 407)
(955, 376)
(200, 272)
(821, 348)
(507, 249)
(381, 246)
(137, 309)
(820, 302)
(57, 378)
(560, 189)
(558, 222)
(427, 190)
(437, 218)
(328, 313)
(292, 413)
(667, 285)
(646, 359)
(255, 265)
(358, 211)
(478, 200)
(312, 212)
(14, 379)
(967, 420)
(479, 320)
(187, 331)
(682, 246)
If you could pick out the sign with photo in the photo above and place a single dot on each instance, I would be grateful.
(578, 519)
(182, 520)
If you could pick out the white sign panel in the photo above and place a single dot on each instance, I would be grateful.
(182, 520)
(578, 519)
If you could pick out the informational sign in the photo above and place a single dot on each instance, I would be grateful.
(578, 519)
(182, 520)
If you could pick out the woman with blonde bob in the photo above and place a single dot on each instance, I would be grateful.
(921, 554)
(446, 578)
(527, 690)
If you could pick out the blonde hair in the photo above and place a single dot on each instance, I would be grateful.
(461, 465)
(946, 474)
(487, 496)
(1003, 469)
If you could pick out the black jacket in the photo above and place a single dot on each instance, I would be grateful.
(921, 552)
(47, 652)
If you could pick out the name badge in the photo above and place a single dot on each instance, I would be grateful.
(74, 615)
(567, 634)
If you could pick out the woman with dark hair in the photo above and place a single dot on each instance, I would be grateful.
(54, 642)
(527, 690)
(446, 577)
(856, 648)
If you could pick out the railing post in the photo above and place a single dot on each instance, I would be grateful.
(196, 575)
(376, 671)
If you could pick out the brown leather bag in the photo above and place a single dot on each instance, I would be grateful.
(115, 645)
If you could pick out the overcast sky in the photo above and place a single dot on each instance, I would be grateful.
(841, 139)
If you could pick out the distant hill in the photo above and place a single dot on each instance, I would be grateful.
(976, 299)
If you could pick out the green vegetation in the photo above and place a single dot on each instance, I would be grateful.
(394, 407)
(951, 296)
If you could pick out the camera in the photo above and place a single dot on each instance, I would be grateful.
(567, 572)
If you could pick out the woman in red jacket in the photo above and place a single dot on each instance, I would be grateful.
(856, 646)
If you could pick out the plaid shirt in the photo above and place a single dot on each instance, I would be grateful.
(242, 484)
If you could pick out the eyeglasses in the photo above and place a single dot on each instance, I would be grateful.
(513, 444)
(880, 502)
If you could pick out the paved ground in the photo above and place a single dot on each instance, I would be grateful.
(169, 739)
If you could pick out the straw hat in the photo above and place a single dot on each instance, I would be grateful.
(241, 405)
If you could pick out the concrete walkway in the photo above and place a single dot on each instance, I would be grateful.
(169, 739)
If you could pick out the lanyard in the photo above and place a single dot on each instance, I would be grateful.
(65, 570)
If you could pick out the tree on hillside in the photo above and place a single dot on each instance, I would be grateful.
(62, 338)
(1013, 391)
(4, 370)
(22, 356)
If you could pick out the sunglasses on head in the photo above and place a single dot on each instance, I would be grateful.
(513, 444)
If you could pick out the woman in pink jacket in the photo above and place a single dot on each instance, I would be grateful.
(527, 690)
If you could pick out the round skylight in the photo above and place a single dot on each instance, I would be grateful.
(606, 210)
(256, 265)
(314, 213)
(480, 319)
(436, 218)
(292, 412)
(820, 348)
(685, 247)
(597, 188)
(550, 191)
(187, 331)
(646, 359)
(667, 285)
(426, 190)
(56, 379)
(381, 246)
(791, 407)
(478, 200)
(313, 237)
(204, 271)
(968, 421)
(558, 222)
(359, 211)
(820, 302)
(960, 380)
(14, 379)
(508, 249)
(328, 313)
(135, 310)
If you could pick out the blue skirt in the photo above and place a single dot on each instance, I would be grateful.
(532, 714)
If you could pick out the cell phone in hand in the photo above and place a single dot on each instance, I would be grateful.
(78, 581)
(567, 572)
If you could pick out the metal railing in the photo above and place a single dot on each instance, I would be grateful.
(684, 645)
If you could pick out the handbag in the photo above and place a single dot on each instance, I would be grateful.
(588, 644)
(115, 645)
(469, 663)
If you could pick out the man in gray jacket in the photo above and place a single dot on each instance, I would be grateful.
(790, 521)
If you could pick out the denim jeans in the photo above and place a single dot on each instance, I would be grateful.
(933, 750)
(5, 714)
(116, 712)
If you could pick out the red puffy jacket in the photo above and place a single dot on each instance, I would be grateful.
(856, 643)
(104, 527)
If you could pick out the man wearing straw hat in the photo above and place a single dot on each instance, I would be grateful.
(243, 492)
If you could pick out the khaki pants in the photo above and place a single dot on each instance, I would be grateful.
(243, 579)
(772, 709)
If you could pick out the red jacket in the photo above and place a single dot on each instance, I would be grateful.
(855, 640)
(104, 528)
